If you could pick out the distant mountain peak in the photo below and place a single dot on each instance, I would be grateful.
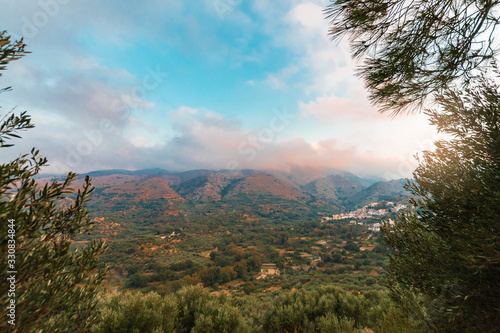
(336, 187)
(392, 190)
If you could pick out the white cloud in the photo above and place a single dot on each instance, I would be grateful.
(281, 79)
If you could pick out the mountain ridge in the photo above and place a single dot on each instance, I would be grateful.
(339, 188)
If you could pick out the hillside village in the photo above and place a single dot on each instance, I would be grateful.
(370, 211)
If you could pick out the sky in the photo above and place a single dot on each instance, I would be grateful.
(207, 84)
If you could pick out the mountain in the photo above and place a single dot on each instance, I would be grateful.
(106, 178)
(207, 187)
(99, 181)
(111, 180)
(305, 175)
(143, 172)
(177, 178)
(307, 186)
(146, 189)
(265, 184)
(391, 190)
(337, 188)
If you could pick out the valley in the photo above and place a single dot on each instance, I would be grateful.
(237, 232)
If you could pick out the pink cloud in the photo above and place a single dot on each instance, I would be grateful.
(330, 109)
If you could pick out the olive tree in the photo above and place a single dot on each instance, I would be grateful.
(47, 285)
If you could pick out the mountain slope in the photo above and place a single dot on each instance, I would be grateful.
(391, 190)
(147, 189)
(335, 187)
(143, 172)
(262, 183)
(207, 187)
(305, 175)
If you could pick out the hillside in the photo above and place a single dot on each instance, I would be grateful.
(264, 184)
(391, 190)
(175, 178)
(230, 231)
(148, 189)
(337, 188)
(206, 187)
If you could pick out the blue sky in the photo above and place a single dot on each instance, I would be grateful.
(208, 84)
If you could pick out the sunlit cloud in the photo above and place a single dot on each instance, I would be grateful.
(180, 86)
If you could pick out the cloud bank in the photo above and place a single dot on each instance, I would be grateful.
(179, 86)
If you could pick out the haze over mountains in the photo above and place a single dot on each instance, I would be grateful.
(339, 188)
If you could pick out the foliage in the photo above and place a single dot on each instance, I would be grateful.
(351, 246)
(54, 285)
(191, 309)
(201, 312)
(11, 124)
(448, 254)
(445, 259)
(328, 309)
(10, 51)
(233, 253)
(133, 312)
(413, 50)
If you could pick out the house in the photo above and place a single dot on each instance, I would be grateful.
(269, 269)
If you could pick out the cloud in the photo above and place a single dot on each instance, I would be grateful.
(221, 144)
(334, 109)
(280, 80)
(76, 99)
(183, 112)
(84, 86)
(205, 139)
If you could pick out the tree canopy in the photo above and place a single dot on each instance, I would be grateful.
(448, 253)
(411, 51)
(52, 285)
(445, 258)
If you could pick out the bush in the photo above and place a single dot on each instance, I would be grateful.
(137, 280)
(191, 309)
(134, 312)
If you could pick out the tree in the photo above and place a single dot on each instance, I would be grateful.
(414, 50)
(351, 246)
(201, 312)
(151, 313)
(241, 268)
(209, 275)
(447, 255)
(227, 274)
(329, 309)
(137, 280)
(254, 263)
(9, 51)
(54, 284)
